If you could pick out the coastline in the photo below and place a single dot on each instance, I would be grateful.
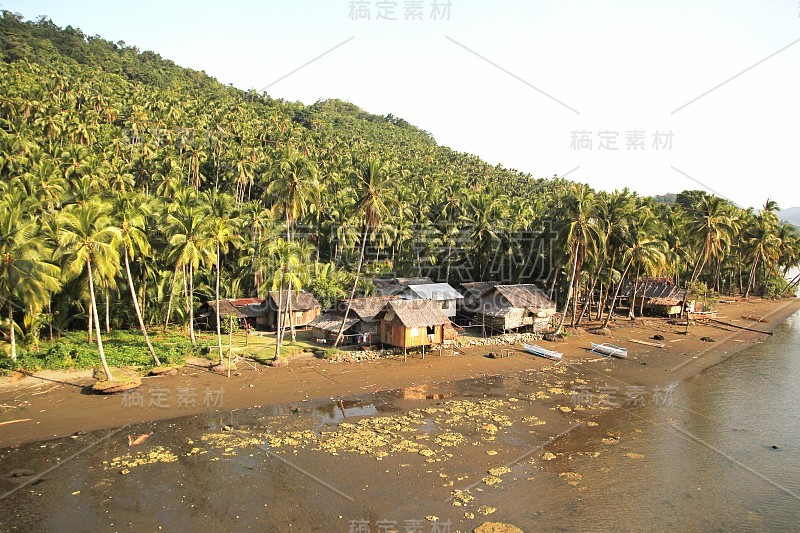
(515, 419)
(55, 405)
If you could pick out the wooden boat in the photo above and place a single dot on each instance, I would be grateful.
(610, 349)
(541, 352)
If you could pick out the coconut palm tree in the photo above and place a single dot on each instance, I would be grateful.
(88, 241)
(191, 247)
(373, 184)
(131, 212)
(27, 277)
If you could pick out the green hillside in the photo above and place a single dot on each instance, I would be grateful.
(110, 155)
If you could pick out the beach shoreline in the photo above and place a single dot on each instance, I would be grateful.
(57, 404)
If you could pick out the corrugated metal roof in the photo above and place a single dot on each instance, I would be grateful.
(435, 291)
(652, 289)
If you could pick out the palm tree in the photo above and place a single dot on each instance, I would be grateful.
(222, 234)
(191, 248)
(580, 233)
(88, 241)
(712, 223)
(131, 213)
(27, 277)
(643, 247)
(372, 182)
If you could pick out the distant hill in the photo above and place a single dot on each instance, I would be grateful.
(791, 215)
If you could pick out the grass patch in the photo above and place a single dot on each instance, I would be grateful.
(122, 349)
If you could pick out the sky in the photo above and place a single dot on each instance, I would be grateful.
(655, 96)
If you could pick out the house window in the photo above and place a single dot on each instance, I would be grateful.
(415, 332)
(445, 304)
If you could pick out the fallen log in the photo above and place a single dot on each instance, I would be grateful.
(740, 327)
(656, 344)
(755, 318)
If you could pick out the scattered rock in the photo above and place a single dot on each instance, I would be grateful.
(222, 369)
(116, 386)
(21, 472)
(658, 337)
(552, 337)
(163, 370)
(496, 527)
(600, 331)
(707, 339)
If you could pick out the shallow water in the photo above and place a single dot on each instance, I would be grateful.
(725, 456)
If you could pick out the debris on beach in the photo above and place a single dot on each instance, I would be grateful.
(547, 456)
(496, 527)
(571, 476)
(486, 510)
(462, 497)
(632, 455)
(138, 440)
(156, 455)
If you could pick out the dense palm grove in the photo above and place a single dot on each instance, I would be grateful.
(131, 190)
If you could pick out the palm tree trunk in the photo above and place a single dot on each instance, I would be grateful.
(89, 323)
(632, 309)
(616, 294)
(171, 295)
(190, 303)
(11, 332)
(353, 290)
(216, 293)
(107, 310)
(136, 308)
(279, 315)
(107, 370)
(569, 293)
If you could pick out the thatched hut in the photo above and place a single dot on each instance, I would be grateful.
(249, 312)
(509, 307)
(413, 323)
(303, 306)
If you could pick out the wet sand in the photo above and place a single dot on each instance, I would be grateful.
(274, 450)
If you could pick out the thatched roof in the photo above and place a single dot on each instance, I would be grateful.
(434, 291)
(386, 286)
(332, 322)
(301, 300)
(417, 313)
(367, 309)
(653, 288)
(475, 288)
(238, 308)
(502, 299)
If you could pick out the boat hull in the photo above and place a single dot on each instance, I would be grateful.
(541, 352)
(610, 350)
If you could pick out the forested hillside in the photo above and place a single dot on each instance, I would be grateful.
(147, 188)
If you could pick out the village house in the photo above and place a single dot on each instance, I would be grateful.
(363, 321)
(414, 323)
(659, 296)
(510, 307)
(443, 294)
(303, 307)
(251, 313)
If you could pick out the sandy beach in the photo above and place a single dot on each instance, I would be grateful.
(363, 441)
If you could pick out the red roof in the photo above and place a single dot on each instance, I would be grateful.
(246, 301)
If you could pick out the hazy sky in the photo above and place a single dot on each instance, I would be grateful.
(544, 86)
